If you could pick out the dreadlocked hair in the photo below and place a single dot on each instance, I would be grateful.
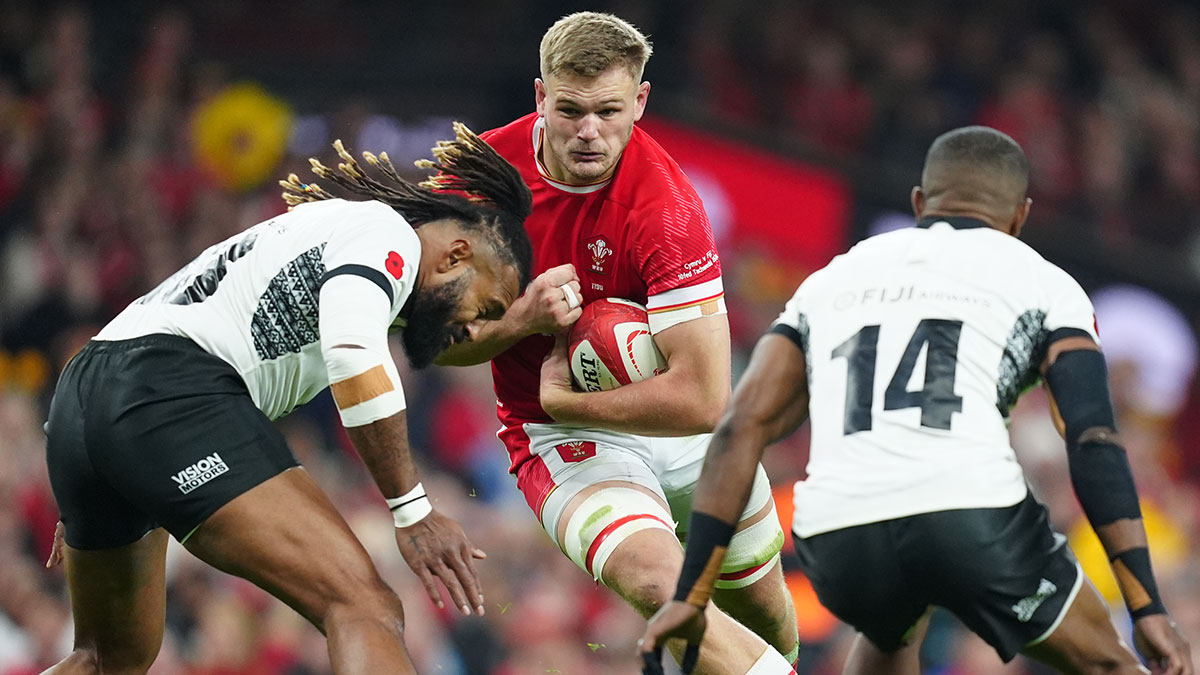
(472, 185)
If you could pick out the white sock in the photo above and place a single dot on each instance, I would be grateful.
(771, 663)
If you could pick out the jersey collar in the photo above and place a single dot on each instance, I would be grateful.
(957, 222)
(539, 130)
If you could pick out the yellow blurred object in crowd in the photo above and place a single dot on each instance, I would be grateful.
(240, 135)
(26, 371)
(1168, 548)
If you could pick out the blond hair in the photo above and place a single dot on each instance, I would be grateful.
(589, 43)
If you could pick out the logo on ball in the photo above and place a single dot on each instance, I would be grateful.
(591, 375)
(629, 350)
(611, 346)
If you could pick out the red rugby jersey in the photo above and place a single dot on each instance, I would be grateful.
(641, 235)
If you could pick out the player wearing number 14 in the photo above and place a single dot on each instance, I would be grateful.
(907, 354)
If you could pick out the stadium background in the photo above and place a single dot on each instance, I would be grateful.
(133, 135)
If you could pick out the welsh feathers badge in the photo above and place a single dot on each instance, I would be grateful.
(599, 251)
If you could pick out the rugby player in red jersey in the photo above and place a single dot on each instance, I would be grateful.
(610, 473)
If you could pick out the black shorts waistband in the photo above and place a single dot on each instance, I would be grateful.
(151, 340)
(170, 358)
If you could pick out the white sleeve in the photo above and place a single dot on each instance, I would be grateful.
(1068, 309)
(678, 305)
(378, 245)
(792, 322)
(353, 321)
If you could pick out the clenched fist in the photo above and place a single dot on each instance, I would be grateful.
(551, 302)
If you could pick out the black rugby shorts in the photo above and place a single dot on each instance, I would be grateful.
(1003, 571)
(153, 432)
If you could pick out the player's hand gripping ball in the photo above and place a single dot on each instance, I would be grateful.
(611, 346)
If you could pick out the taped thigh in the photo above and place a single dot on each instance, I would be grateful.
(605, 519)
(615, 465)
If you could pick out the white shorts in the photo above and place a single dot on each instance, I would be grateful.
(573, 459)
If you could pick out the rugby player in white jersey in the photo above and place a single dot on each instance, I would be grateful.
(162, 423)
(907, 354)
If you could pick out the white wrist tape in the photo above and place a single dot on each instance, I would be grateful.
(572, 299)
(410, 508)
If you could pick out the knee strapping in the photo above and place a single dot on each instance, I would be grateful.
(752, 552)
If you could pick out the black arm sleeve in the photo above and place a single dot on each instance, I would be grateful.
(1100, 472)
(1078, 380)
(1099, 467)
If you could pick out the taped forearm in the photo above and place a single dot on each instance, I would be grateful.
(1102, 480)
(1100, 472)
(1135, 577)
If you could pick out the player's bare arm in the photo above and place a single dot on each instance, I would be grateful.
(549, 305)
(770, 402)
(435, 545)
(688, 398)
(1078, 382)
(369, 397)
(282, 329)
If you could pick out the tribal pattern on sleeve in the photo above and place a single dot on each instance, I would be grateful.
(1023, 352)
(286, 318)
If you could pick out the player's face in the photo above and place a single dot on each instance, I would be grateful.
(489, 292)
(588, 122)
(455, 309)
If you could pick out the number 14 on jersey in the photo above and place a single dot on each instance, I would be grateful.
(936, 399)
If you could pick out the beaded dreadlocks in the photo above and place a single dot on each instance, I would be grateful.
(473, 185)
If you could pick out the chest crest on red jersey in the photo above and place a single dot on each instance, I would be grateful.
(600, 254)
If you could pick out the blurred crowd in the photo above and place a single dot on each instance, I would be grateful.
(1105, 97)
(115, 171)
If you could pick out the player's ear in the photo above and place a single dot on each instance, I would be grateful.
(1020, 217)
(457, 253)
(639, 102)
(539, 96)
(918, 201)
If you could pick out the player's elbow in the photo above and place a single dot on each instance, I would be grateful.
(735, 426)
(751, 421)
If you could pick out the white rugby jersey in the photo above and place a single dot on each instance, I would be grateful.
(253, 299)
(918, 342)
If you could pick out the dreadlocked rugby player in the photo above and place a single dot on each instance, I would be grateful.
(609, 474)
(162, 423)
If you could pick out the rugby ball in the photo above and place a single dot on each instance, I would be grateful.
(611, 346)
